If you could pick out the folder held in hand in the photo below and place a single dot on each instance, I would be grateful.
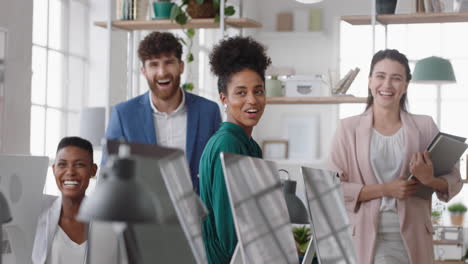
(445, 150)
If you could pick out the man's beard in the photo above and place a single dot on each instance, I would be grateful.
(166, 93)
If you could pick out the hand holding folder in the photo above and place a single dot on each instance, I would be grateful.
(421, 164)
(444, 152)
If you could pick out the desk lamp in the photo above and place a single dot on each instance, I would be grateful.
(434, 70)
(296, 209)
(5, 217)
(119, 197)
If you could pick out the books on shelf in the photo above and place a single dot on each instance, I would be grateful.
(131, 9)
(445, 151)
(343, 85)
(432, 6)
(406, 7)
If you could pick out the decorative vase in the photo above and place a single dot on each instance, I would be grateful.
(385, 6)
(162, 10)
(205, 10)
(457, 218)
(273, 87)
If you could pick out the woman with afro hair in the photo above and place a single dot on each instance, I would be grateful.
(240, 64)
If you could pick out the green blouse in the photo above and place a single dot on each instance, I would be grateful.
(219, 233)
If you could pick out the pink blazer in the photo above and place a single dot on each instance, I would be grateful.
(350, 158)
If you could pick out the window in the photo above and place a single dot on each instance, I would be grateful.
(416, 41)
(3, 41)
(207, 82)
(59, 79)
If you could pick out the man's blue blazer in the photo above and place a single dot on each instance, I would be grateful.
(133, 121)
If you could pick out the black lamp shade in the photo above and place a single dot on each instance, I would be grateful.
(119, 197)
(5, 214)
(296, 209)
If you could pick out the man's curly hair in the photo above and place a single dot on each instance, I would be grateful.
(157, 44)
(236, 54)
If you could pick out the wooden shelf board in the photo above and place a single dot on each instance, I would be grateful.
(292, 35)
(447, 242)
(415, 18)
(317, 100)
(165, 24)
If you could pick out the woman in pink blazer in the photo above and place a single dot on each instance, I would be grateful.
(372, 153)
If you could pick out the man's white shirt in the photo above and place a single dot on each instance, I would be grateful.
(171, 129)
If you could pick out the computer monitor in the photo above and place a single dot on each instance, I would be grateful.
(176, 236)
(329, 220)
(21, 182)
(261, 217)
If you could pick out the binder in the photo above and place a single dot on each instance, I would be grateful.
(445, 150)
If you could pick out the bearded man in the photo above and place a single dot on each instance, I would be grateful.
(166, 115)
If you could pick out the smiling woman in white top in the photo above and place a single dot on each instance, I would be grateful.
(373, 153)
(60, 238)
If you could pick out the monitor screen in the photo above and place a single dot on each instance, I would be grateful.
(21, 182)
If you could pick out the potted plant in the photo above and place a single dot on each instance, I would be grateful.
(199, 9)
(162, 9)
(457, 212)
(302, 235)
(385, 6)
(437, 209)
(302, 238)
(196, 9)
(435, 217)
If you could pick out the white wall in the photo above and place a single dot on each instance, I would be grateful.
(16, 17)
(98, 95)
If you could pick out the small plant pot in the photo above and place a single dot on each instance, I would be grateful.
(385, 6)
(205, 10)
(457, 219)
(162, 10)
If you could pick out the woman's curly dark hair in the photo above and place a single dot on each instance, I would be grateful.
(236, 54)
(157, 44)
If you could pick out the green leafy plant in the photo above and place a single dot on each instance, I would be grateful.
(180, 16)
(457, 208)
(302, 237)
(188, 42)
(436, 214)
